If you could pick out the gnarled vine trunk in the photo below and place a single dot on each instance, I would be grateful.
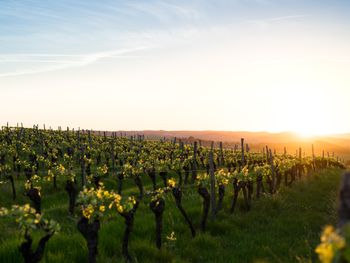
(35, 198)
(177, 193)
(221, 197)
(26, 248)
(203, 192)
(157, 207)
(90, 233)
(72, 191)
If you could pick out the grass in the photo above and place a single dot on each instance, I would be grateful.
(280, 228)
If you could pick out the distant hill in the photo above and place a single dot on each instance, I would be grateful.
(339, 143)
(225, 136)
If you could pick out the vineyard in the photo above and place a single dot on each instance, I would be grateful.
(82, 196)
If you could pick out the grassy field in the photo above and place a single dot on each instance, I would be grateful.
(280, 228)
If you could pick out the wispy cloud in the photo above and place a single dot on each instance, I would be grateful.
(280, 18)
(267, 21)
(52, 62)
(167, 13)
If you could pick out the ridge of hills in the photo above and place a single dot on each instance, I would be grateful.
(337, 143)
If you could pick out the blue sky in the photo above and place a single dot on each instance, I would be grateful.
(163, 52)
(78, 27)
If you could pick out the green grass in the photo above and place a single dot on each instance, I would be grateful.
(280, 228)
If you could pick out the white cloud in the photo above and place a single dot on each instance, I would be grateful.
(52, 62)
(267, 21)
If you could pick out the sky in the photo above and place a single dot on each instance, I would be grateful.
(239, 65)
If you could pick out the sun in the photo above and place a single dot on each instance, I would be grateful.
(313, 127)
(309, 127)
(305, 134)
(308, 134)
(306, 111)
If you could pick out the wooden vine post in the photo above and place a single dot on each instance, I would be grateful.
(344, 202)
(194, 162)
(82, 160)
(299, 168)
(313, 158)
(182, 151)
(90, 139)
(113, 155)
(242, 148)
(212, 183)
(221, 155)
(272, 172)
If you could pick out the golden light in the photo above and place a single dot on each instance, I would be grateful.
(312, 120)
(307, 110)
